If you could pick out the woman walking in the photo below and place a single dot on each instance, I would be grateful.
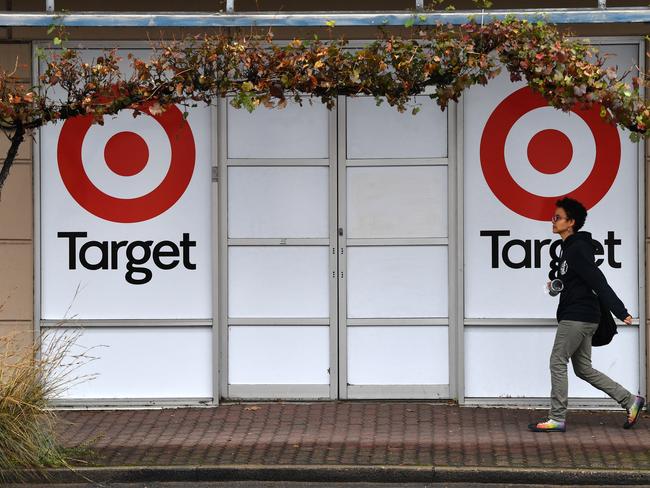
(578, 314)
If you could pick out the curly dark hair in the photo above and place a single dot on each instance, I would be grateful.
(574, 210)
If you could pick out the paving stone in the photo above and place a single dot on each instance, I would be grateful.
(355, 433)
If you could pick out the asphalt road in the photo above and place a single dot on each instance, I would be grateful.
(281, 484)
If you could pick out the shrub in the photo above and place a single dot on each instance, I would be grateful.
(30, 376)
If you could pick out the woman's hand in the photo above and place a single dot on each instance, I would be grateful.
(628, 320)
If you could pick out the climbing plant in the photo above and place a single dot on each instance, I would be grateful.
(440, 61)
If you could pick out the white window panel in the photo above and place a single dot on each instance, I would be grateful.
(145, 362)
(278, 355)
(278, 202)
(383, 132)
(287, 281)
(397, 281)
(491, 353)
(292, 132)
(397, 201)
(401, 355)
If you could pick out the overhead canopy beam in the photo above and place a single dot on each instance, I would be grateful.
(317, 19)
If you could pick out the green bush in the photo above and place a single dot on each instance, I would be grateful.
(30, 376)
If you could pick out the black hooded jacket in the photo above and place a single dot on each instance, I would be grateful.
(581, 278)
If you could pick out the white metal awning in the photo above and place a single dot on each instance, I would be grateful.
(317, 19)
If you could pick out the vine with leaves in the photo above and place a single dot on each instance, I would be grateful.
(440, 61)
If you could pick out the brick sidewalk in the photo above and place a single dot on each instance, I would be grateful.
(400, 434)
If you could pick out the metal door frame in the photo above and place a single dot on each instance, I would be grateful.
(274, 391)
(347, 391)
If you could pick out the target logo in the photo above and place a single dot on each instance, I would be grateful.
(125, 159)
(580, 159)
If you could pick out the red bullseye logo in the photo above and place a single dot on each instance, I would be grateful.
(549, 152)
(126, 154)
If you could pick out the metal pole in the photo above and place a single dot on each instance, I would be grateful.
(49, 5)
(230, 6)
(602, 3)
(419, 4)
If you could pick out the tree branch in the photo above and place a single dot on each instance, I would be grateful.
(16, 139)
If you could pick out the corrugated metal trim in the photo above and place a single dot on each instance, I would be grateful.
(318, 19)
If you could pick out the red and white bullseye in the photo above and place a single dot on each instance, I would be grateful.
(532, 154)
(126, 163)
(129, 169)
(549, 152)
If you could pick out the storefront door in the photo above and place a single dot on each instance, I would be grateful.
(334, 251)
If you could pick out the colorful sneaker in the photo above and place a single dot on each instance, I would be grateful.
(633, 412)
(549, 425)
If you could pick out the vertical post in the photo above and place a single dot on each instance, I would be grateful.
(230, 6)
(419, 4)
(602, 3)
(49, 5)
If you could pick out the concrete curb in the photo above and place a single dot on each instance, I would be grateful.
(544, 476)
(331, 473)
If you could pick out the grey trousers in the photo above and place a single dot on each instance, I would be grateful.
(573, 341)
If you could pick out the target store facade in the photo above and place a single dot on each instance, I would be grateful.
(315, 254)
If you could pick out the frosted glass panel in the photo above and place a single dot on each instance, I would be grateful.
(145, 362)
(278, 281)
(278, 355)
(397, 201)
(278, 202)
(401, 355)
(383, 132)
(491, 352)
(397, 281)
(292, 132)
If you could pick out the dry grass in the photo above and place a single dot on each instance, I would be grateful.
(30, 376)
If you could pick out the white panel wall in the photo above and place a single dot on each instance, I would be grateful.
(383, 132)
(283, 202)
(287, 281)
(278, 355)
(402, 355)
(292, 132)
(397, 281)
(146, 362)
(397, 201)
(513, 362)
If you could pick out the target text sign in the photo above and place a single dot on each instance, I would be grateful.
(125, 216)
(520, 156)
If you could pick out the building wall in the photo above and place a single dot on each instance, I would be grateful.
(17, 200)
(16, 221)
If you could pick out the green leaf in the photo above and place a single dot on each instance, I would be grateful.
(50, 29)
(330, 23)
(57, 41)
(409, 22)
